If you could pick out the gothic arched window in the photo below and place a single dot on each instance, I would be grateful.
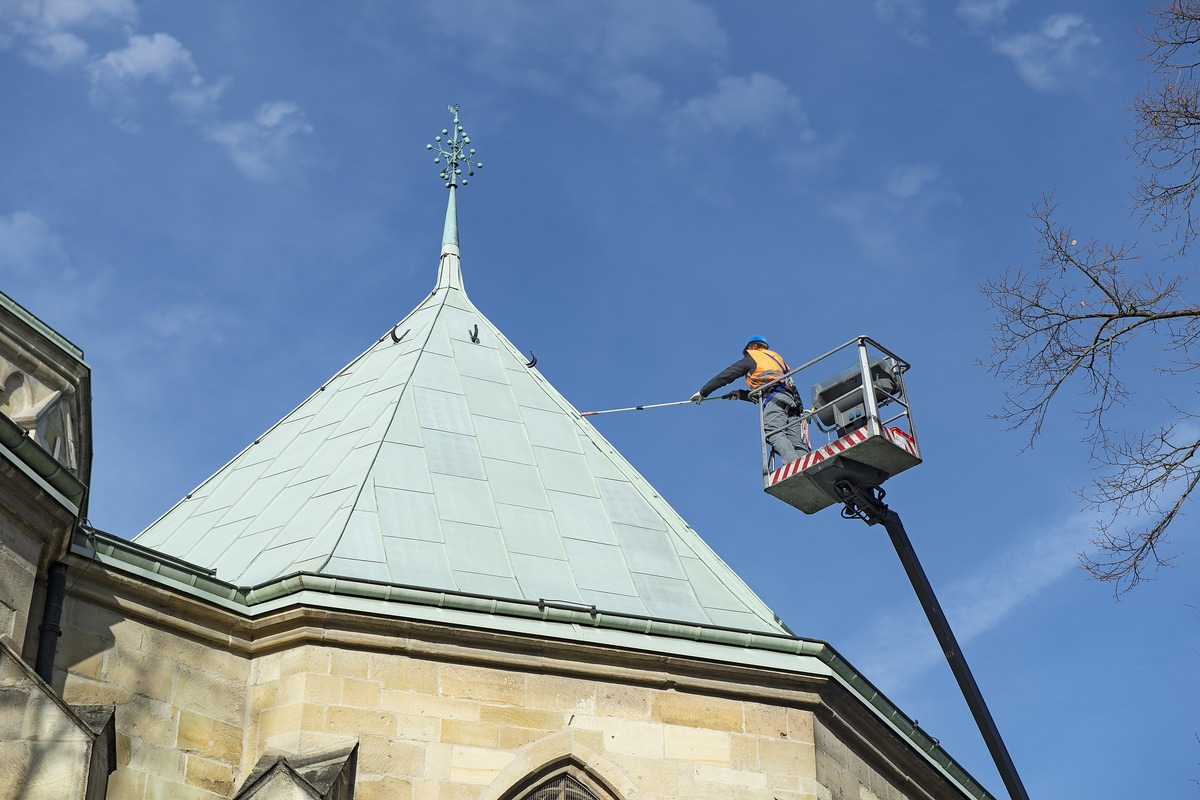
(560, 787)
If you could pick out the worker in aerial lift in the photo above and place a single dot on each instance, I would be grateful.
(783, 411)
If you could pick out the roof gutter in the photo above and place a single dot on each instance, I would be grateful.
(27, 453)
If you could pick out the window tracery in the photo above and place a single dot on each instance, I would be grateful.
(560, 787)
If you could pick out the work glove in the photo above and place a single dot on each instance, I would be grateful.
(737, 394)
(697, 398)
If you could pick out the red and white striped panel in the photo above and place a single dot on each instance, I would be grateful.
(903, 439)
(816, 456)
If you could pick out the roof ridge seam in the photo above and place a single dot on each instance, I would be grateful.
(704, 553)
(279, 422)
(399, 397)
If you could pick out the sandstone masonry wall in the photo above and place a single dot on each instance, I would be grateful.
(463, 732)
(180, 703)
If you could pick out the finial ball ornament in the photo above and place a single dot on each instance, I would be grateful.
(455, 152)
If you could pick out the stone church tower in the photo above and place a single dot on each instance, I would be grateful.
(433, 579)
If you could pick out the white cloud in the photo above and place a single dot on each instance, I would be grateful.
(980, 14)
(197, 99)
(186, 323)
(55, 50)
(758, 102)
(65, 13)
(629, 91)
(907, 17)
(811, 154)
(266, 147)
(36, 267)
(1052, 56)
(607, 55)
(41, 30)
(761, 107)
(159, 57)
(28, 246)
(117, 77)
(897, 647)
(581, 38)
(637, 31)
(908, 182)
(883, 220)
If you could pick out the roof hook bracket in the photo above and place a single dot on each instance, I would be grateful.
(474, 334)
(532, 362)
(396, 338)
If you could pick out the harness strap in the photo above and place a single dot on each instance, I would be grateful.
(783, 370)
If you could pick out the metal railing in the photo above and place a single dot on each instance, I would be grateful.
(872, 359)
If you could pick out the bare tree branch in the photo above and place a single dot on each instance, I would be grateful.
(1068, 324)
(1167, 121)
(1081, 319)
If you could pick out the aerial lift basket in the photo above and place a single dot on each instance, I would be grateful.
(860, 434)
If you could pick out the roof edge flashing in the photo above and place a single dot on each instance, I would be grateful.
(130, 554)
(34, 322)
(256, 599)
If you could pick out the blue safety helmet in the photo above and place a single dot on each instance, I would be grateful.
(752, 340)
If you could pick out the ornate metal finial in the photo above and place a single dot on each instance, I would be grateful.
(459, 154)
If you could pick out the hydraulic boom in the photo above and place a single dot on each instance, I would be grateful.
(866, 503)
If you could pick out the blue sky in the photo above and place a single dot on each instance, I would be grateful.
(223, 203)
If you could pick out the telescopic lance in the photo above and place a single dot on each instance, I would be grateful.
(735, 395)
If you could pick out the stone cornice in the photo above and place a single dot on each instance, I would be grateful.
(303, 609)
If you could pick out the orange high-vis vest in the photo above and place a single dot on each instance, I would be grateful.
(768, 366)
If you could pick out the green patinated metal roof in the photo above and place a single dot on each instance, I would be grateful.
(440, 459)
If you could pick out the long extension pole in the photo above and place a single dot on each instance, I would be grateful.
(640, 408)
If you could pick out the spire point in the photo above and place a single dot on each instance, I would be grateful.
(454, 155)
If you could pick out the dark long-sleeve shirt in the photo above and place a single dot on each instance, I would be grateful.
(738, 369)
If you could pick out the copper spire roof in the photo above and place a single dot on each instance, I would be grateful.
(441, 459)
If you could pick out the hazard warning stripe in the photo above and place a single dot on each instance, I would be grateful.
(896, 436)
(816, 456)
(904, 439)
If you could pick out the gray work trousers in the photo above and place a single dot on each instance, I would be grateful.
(782, 426)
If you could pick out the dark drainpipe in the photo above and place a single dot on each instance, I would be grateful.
(50, 629)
